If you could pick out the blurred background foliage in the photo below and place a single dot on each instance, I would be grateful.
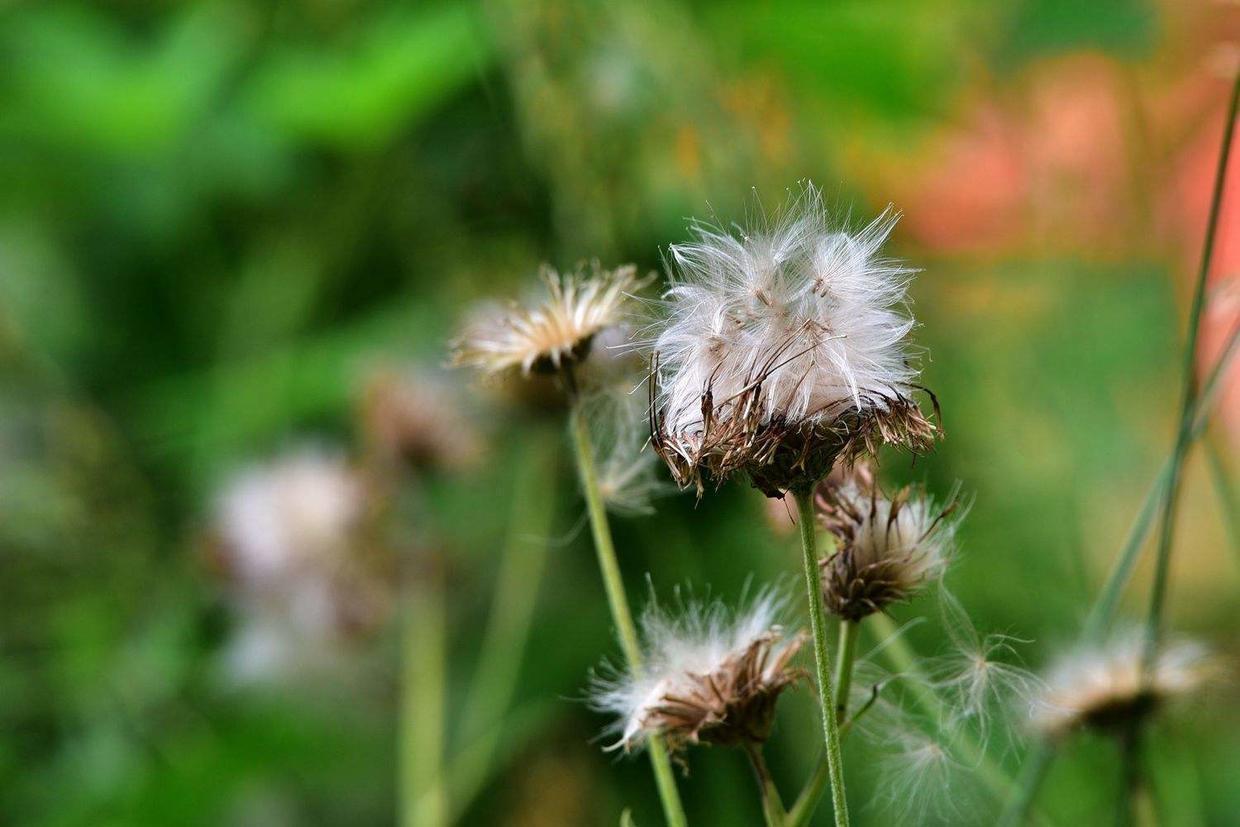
(217, 216)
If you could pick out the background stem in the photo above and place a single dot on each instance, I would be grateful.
(1158, 592)
(844, 668)
(613, 584)
(502, 651)
(772, 804)
(822, 661)
(423, 801)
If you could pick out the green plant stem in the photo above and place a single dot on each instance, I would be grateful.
(772, 805)
(844, 668)
(1103, 611)
(1220, 474)
(1158, 592)
(423, 800)
(1037, 765)
(803, 808)
(613, 584)
(822, 662)
(1130, 775)
(522, 561)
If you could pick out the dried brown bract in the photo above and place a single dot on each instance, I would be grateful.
(888, 547)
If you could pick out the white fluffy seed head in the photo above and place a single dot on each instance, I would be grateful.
(708, 675)
(889, 546)
(793, 327)
(1102, 686)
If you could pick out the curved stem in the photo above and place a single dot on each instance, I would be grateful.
(772, 805)
(1104, 608)
(621, 615)
(522, 561)
(423, 800)
(844, 668)
(822, 660)
(1158, 593)
(1020, 805)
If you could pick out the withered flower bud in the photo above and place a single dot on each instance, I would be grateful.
(709, 678)
(887, 547)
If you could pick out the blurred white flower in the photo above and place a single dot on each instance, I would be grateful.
(287, 537)
(416, 416)
(1101, 685)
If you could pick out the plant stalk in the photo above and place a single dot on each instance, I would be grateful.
(822, 661)
(1158, 592)
(1104, 608)
(521, 564)
(622, 617)
(772, 804)
(423, 799)
(844, 668)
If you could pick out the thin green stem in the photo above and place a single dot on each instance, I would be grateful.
(522, 561)
(822, 662)
(1103, 611)
(803, 808)
(1130, 776)
(844, 668)
(1220, 475)
(1020, 805)
(423, 799)
(1158, 592)
(772, 804)
(621, 615)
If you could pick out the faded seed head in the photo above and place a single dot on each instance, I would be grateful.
(710, 678)
(1101, 686)
(889, 547)
(415, 417)
(551, 332)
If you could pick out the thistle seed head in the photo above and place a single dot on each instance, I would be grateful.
(710, 677)
(888, 547)
(414, 417)
(1102, 687)
(552, 331)
(781, 350)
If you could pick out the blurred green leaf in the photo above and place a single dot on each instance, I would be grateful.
(399, 68)
(1042, 27)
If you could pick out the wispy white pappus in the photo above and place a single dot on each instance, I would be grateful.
(782, 347)
(709, 675)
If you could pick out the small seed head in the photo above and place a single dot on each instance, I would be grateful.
(888, 547)
(551, 332)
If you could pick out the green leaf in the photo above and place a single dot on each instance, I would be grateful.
(402, 66)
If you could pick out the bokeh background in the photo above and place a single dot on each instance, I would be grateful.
(218, 217)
